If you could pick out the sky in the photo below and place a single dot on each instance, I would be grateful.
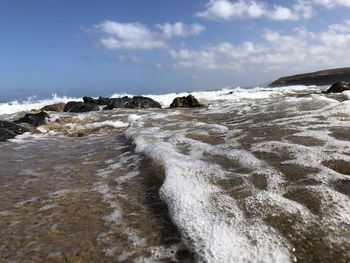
(101, 47)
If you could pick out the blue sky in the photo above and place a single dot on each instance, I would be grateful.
(86, 47)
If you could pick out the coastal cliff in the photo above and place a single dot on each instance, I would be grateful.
(319, 78)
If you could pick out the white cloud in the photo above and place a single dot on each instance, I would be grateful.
(128, 36)
(193, 59)
(283, 43)
(115, 36)
(304, 9)
(335, 40)
(180, 29)
(227, 10)
(305, 49)
(343, 27)
(332, 3)
(224, 55)
(301, 50)
(282, 13)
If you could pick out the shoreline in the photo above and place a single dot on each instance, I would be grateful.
(229, 180)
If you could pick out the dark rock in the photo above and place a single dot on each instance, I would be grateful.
(54, 107)
(28, 127)
(74, 106)
(138, 102)
(35, 119)
(9, 130)
(89, 100)
(185, 102)
(339, 87)
(103, 100)
(13, 127)
(117, 103)
(6, 134)
(319, 78)
(100, 101)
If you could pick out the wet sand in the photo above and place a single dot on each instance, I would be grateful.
(57, 207)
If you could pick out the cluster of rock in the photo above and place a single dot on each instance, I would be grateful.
(77, 106)
(91, 104)
(31, 121)
(136, 102)
(339, 87)
(54, 107)
(9, 130)
(185, 102)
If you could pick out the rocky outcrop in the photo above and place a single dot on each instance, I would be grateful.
(103, 100)
(91, 104)
(185, 102)
(117, 103)
(54, 107)
(136, 102)
(9, 130)
(100, 101)
(34, 119)
(89, 100)
(319, 78)
(6, 134)
(75, 106)
(339, 87)
(14, 127)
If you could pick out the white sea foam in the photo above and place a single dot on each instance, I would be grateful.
(32, 103)
(227, 94)
(346, 94)
(28, 137)
(115, 124)
(214, 236)
(133, 117)
(210, 219)
(230, 94)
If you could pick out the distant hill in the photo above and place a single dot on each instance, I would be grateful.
(319, 78)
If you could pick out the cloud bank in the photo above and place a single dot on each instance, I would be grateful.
(180, 29)
(302, 50)
(128, 36)
(136, 36)
(228, 10)
(293, 49)
(332, 3)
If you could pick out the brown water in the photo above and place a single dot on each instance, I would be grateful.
(61, 202)
(246, 181)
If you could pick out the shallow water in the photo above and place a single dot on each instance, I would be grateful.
(254, 177)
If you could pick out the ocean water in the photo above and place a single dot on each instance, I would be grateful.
(257, 175)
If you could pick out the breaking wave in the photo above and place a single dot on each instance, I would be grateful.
(226, 94)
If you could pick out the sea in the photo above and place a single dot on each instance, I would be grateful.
(256, 175)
